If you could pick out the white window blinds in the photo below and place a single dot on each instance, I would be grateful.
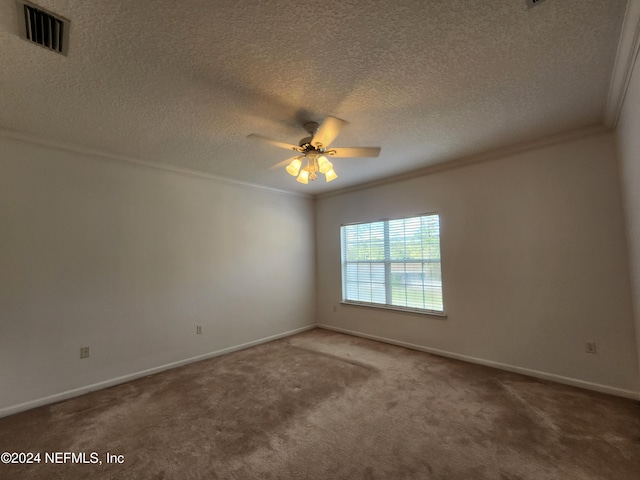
(393, 263)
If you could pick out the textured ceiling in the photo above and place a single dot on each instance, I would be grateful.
(184, 82)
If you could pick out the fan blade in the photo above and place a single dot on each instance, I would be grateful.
(282, 163)
(354, 152)
(288, 146)
(327, 132)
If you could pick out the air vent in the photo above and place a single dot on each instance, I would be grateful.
(43, 28)
(533, 3)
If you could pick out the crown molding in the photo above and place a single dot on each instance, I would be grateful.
(496, 154)
(78, 149)
(626, 58)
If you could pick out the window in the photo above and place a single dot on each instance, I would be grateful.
(393, 263)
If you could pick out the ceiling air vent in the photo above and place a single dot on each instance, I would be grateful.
(43, 28)
(533, 3)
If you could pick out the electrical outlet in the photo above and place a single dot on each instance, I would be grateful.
(84, 352)
(198, 329)
(591, 347)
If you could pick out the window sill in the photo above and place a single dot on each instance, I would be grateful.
(412, 311)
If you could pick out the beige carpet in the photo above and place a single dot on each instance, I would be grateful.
(322, 405)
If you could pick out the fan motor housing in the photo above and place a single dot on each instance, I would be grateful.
(305, 141)
(311, 128)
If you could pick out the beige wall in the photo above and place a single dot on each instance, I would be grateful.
(628, 140)
(128, 260)
(533, 262)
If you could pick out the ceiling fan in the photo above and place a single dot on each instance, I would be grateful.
(314, 149)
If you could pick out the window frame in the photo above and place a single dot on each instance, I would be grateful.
(388, 285)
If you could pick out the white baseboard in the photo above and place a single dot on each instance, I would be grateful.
(502, 366)
(58, 397)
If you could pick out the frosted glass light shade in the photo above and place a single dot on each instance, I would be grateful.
(324, 165)
(331, 175)
(294, 167)
(303, 177)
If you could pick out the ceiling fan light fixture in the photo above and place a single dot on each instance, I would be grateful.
(324, 165)
(313, 151)
(304, 176)
(331, 175)
(294, 167)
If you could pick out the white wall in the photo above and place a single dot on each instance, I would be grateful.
(628, 140)
(534, 263)
(128, 259)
